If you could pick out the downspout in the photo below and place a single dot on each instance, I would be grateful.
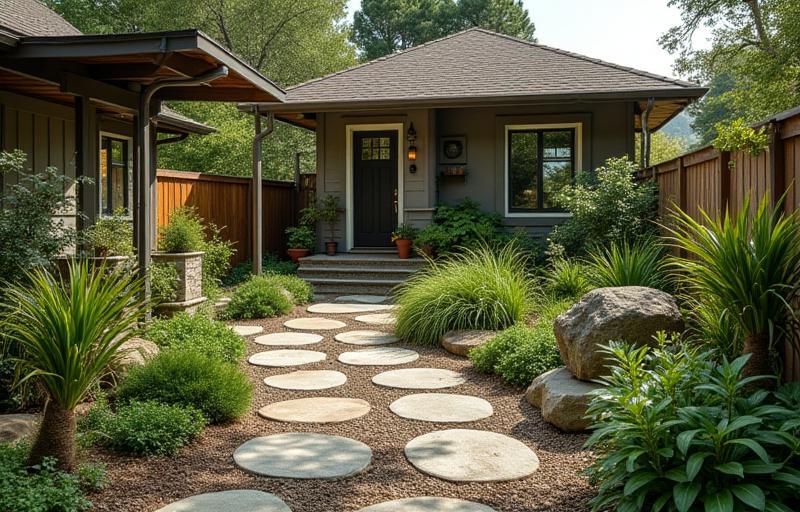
(644, 153)
(145, 231)
(170, 140)
(257, 216)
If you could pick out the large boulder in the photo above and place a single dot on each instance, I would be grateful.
(136, 351)
(629, 313)
(461, 342)
(562, 398)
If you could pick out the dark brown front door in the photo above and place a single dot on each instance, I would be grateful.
(374, 188)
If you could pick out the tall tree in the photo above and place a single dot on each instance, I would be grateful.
(383, 27)
(753, 63)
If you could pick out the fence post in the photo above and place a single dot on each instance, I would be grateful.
(683, 198)
(297, 169)
(776, 164)
(724, 182)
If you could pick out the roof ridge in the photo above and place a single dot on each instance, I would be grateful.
(382, 59)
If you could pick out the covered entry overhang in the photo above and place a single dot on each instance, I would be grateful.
(128, 76)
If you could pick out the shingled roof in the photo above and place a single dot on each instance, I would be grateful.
(33, 18)
(478, 63)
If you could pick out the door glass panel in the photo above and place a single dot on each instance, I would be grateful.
(376, 148)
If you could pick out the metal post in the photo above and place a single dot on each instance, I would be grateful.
(645, 146)
(257, 214)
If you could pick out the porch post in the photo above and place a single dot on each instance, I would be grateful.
(257, 220)
(85, 162)
(144, 185)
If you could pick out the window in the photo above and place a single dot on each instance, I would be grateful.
(540, 162)
(375, 148)
(116, 185)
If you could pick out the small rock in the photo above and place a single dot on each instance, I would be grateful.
(629, 313)
(14, 427)
(562, 398)
(461, 342)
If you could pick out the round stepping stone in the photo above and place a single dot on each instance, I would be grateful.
(286, 357)
(338, 309)
(419, 378)
(366, 338)
(241, 501)
(377, 319)
(307, 380)
(366, 299)
(303, 455)
(288, 339)
(380, 356)
(14, 427)
(461, 455)
(442, 408)
(247, 330)
(428, 504)
(461, 342)
(316, 410)
(314, 324)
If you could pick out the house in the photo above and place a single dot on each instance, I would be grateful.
(91, 105)
(476, 114)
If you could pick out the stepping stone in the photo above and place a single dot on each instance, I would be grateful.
(419, 378)
(366, 338)
(461, 342)
(338, 309)
(14, 427)
(288, 339)
(307, 380)
(461, 455)
(377, 319)
(380, 356)
(366, 299)
(247, 330)
(286, 357)
(316, 410)
(303, 455)
(442, 407)
(428, 504)
(240, 501)
(314, 324)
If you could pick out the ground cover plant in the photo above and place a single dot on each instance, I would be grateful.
(218, 389)
(676, 430)
(198, 333)
(624, 263)
(258, 298)
(478, 289)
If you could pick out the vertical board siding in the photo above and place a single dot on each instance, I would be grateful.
(751, 177)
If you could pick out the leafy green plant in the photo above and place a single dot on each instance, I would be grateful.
(164, 282)
(219, 389)
(404, 231)
(674, 430)
(69, 332)
(93, 477)
(145, 428)
(300, 290)
(567, 278)
(43, 490)
(111, 236)
(258, 298)
(434, 235)
(748, 264)
(328, 212)
(710, 323)
(737, 135)
(479, 289)
(216, 260)
(606, 205)
(198, 333)
(184, 232)
(465, 225)
(640, 263)
(301, 237)
(270, 264)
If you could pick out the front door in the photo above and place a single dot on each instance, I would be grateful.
(374, 188)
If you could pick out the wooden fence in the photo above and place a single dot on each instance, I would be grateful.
(225, 201)
(711, 180)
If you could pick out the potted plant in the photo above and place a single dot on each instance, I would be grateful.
(403, 238)
(430, 238)
(302, 238)
(328, 212)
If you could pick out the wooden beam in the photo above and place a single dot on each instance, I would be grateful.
(99, 91)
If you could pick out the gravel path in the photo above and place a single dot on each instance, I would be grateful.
(146, 484)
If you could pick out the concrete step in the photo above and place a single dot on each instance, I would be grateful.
(354, 272)
(353, 286)
(362, 260)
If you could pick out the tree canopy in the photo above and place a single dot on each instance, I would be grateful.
(382, 27)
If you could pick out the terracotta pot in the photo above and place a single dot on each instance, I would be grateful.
(295, 254)
(427, 250)
(403, 248)
(330, 248)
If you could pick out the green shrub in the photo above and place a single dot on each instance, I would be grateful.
(145, 428)
(216, 261)
(521, 353)
(184, 233)
(45, 490)
(93, 477)
(606, 206)
(163, 282)
(640, 263)
(567, 278)
(220, 390)
(301, 237)
(270, 264)
(301, 291)
(198, 333)
(710, 323)
(111, 236)
(480, 289)
(464, 225)
(674, 430)
(258, 298)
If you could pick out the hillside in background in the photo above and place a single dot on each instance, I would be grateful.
(681, 127)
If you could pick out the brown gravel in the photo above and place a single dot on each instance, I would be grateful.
(146, 484)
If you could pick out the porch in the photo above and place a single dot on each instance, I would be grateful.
(360, 271)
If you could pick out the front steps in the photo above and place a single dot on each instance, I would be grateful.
(366, 272)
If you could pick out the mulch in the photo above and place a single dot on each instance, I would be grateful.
(146, 484)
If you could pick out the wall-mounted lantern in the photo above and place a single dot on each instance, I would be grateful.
(412, 149)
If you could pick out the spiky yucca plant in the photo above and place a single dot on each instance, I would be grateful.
(749, 264)
(69, 331)
(639, 263)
